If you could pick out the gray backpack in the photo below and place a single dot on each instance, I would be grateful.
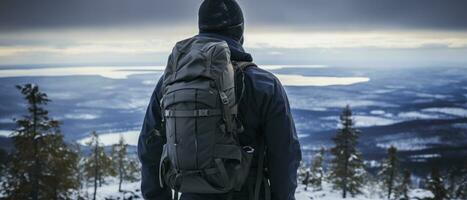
(202, 153)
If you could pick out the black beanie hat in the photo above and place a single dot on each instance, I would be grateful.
(224, 17)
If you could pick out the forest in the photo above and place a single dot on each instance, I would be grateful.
(43, 165)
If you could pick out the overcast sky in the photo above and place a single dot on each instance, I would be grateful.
(330, 32)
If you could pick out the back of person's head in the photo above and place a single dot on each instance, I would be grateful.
(222, 17)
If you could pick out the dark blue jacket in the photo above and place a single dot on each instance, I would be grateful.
(264, 111)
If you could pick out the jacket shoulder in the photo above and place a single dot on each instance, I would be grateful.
(262, 81)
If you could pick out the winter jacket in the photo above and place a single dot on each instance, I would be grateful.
(265, 114)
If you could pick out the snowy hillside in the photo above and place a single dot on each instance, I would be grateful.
(110, 191)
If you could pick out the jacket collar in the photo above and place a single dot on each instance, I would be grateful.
(237, 53)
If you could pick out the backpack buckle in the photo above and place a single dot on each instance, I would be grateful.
(203, 113)
(224, 98)
(248, 149)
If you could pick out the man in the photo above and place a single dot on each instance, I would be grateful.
(264, 112)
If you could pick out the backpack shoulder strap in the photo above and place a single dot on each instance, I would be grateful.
(242, 65)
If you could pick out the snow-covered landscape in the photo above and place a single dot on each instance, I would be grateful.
(426, 121)
(110, 191)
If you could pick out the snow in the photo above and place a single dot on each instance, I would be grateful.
(420, 194)
(459, 112)
(382, 91)
(409, 144)
(63, 95)
(377, 112)
(299, 80)
(434, 96)
(108, 139)
(104, 71)
(277, 67)
(371, 163)
(460, 125)
(426, 156)
(110, 191)
(81, 116)
(311, 103)
(417, 115)
(125, 71)
(369, 193)
(5, 133)
(151, 82)
(6, 120)
(114, 103)
(423, 157)
(367, 121)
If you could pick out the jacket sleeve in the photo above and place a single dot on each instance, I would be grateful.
(283, 149)
(150, 150)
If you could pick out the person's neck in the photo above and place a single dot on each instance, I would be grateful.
(236, 49)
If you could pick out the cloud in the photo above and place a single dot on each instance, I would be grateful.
(360, 39)
(314, 14)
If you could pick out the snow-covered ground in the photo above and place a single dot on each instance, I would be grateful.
(369, 193)
(110, 191)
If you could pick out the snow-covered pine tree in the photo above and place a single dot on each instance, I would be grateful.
(435, 184)
(389, 172)
(346, 167)
(461, 191)
(79, 169)
(402, 190)
(317, 170)
(41, 165)
(3, 160)
(97, 165)
(458, 182)
(125, 167)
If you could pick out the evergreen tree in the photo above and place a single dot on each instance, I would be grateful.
(3, 160)
(402, 190)
(317, 171)
(346, 169)
(41, 163)
(435, 184)
(79, 168)
(126, 168)
(458, 182)
(389, 172)
(97, 165)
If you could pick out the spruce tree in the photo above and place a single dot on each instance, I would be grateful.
(435, 184)
(41, 163)
(458, 182)
(79, 168)
(461, 191)
(402, 190)
(389, 172)
(125, 167)
(98, 164)
(3, 160)
(316, 170)
(346, 168)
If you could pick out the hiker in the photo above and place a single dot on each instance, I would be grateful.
(209, 139)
